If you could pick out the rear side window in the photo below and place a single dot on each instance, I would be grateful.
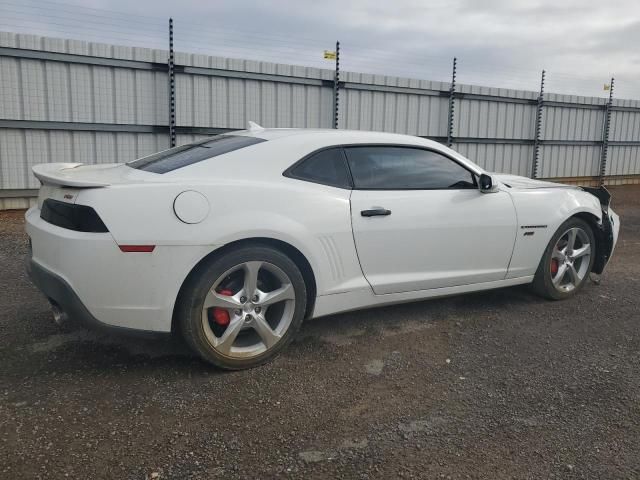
(405, 168)
(184, 155)
(327, 167)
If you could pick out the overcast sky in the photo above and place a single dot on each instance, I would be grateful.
(581, 43)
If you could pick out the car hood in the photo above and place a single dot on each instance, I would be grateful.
(524, 183)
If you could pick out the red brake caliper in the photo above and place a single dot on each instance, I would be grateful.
(554, 266)
(220, 315)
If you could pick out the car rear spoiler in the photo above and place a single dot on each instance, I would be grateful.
(62, 174)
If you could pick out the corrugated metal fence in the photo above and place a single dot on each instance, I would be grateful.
(72, 101)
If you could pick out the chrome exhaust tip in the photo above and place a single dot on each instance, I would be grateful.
(59, 315)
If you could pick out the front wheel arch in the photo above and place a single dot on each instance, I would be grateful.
(598, 233)
(292, 252)
(543, 283)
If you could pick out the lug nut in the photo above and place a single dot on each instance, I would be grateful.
(258, 309)
(255, 298)
(243, 299)
(248, 318)
(238, 312)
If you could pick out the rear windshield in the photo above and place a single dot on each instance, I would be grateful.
(178, 157)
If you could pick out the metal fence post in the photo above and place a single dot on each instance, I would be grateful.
(172, 89)
(452, 92)
(605, 134)
(536, 140)
(336, 91)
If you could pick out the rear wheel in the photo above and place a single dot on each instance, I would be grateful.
(567, 261)
(242, 308)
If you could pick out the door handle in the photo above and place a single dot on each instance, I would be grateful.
(375, 212)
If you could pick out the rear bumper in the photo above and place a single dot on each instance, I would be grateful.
(95, 283)
(58, 291)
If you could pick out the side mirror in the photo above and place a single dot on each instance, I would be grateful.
(485, 183)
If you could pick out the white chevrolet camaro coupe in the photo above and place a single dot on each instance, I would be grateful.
(234, 240)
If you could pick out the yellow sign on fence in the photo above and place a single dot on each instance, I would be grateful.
(329, 55)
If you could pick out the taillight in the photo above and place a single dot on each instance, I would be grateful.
(80, 218)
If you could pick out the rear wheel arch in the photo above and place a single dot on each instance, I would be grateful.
(289, 250)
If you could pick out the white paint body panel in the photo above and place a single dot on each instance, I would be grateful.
(123, 290)
(544, 207)
(433, 238)
(435, 242)
(191, 206)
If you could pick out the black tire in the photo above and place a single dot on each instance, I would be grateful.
(542, 283)
(190, 307)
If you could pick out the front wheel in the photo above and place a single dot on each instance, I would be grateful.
(242, 308)
(567, 261)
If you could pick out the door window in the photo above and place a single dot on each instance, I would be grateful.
(405, 168)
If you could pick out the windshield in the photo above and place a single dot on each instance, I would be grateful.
(184, 155)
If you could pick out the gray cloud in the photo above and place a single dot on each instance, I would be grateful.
(581, 43)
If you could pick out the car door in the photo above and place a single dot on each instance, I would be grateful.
(420, 222)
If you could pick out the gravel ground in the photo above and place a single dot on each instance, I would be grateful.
(493, 385)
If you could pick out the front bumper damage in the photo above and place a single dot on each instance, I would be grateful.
(607, 232)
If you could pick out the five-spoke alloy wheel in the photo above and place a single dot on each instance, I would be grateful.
(241, 308)
(567, 261)
(570, 259)
(248, 309)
